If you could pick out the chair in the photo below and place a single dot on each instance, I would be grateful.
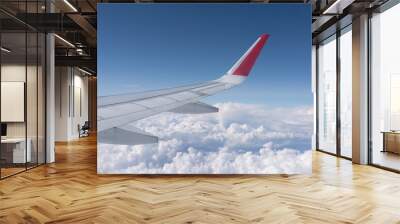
(84, 130)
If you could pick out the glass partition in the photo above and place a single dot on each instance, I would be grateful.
(13, 114)
(22, 101)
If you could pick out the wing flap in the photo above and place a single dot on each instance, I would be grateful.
(126, 135)
(195, 108)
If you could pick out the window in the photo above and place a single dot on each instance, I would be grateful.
(327, 95)
(385, 89)
(346, 92)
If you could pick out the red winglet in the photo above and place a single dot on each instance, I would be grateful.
(250, 57)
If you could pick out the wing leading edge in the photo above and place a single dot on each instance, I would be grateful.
(116, 113)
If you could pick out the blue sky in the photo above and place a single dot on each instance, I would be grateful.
(152, 46)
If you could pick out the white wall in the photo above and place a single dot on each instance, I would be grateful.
(17, 73)
(33, 125)
(79, 110)
(62, 81)
(71, 102)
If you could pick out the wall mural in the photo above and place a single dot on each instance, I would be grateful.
(204, 89)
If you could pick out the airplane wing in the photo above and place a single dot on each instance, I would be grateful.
(117, 112)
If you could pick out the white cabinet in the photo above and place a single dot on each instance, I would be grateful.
(19, 154)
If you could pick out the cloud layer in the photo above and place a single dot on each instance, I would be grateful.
(241, 138)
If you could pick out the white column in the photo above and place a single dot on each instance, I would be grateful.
(50, 92)
(360, 90)
(50, 99)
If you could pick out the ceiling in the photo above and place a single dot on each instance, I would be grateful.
(75, 21)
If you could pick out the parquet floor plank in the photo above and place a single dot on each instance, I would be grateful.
(70, 191)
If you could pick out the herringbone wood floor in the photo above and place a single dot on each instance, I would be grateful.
(70, 191)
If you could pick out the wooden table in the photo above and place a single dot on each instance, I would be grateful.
(391, 141)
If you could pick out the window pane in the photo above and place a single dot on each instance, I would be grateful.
(327, 96)
(346, 93)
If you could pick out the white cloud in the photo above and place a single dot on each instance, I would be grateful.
(241, 138)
